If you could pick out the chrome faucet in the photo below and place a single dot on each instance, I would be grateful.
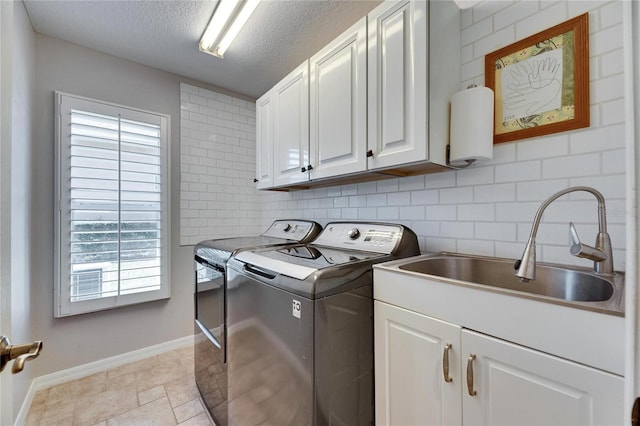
(601, 254)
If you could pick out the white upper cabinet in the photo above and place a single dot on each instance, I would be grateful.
(374, 99)
(338, 105)
(264, 141)
(291, 121)
(397, 84)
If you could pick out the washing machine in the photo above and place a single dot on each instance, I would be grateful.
(300, 326)
(210, 348)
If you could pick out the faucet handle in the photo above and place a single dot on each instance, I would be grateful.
(573, 236)
(579, 249)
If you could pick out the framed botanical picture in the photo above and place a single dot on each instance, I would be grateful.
(541, 83)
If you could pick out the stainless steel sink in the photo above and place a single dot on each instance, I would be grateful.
(567, 284)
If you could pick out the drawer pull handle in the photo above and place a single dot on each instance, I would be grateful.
(472, 392)
(445, 363)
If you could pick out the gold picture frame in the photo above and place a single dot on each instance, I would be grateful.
(541, 83)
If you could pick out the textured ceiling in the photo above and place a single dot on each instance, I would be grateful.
(165, 34)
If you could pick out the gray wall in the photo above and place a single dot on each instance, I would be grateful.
(77, 340)
(18, 56)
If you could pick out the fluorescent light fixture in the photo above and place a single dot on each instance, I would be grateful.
(225, 24)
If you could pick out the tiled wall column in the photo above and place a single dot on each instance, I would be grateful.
(217, 166)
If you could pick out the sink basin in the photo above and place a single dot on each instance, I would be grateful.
(551, 281)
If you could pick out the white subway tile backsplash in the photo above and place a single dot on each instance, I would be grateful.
(504, 153)
(436, 245)
(614, 161)
(607, 89)
(367, 188)
(543, 147)
(475, 175)
(515, 172)
(612, 112)
(466, 18)
(466, 54)
(578, 7)
(487, 9)
(597, 140)
(399, 198)
(610, 14)
(508, 250)
(477, 212)
(412, 213)
(219, 181)
(540, 190)
(476, 31)
(428, 229)
(456, 229)
(542, 20)
(612, 63)
(611, 187)
(496, 231)
(442, 212)
(440, 180)
(516, 212)
(334, 191)
(495, 193)
(606, 40)
(387, 185)
(411, 183)
(577, 165)
(476, 247)
(472, 69)
(514, 13)
(424, 197)
(367, 213)
(376, 200)
(388, 213)
(456, 195)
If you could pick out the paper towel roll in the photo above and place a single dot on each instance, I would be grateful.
(471, 131)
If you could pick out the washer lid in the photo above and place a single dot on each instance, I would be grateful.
(301, 261)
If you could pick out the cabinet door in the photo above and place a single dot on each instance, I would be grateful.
(410, 385)
(264, 141)
(520, 386)
(397, 85)
(291, 142)
(338, 121)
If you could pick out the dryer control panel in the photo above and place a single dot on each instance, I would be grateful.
(375, 237)
(297, 230)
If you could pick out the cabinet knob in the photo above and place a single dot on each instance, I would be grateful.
(303, 169)
(309, 167)
(370, 153)
(255, 180)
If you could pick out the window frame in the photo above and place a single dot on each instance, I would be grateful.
(63, 306)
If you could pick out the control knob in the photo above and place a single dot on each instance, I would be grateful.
(353, 233)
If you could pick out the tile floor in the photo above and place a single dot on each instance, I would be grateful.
(159, 390)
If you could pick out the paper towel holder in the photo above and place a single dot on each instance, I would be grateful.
(471, 120)
(469, 162)
(458, 167)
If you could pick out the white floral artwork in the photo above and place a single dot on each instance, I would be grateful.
(532, 86)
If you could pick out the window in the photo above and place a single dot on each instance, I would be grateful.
(112, 238)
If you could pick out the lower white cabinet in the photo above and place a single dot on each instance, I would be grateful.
(488, 381)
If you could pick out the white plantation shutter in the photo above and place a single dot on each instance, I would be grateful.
(112, 189)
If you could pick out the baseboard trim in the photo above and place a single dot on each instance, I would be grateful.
(99, 366)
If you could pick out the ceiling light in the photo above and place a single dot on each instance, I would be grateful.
(225, 24)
